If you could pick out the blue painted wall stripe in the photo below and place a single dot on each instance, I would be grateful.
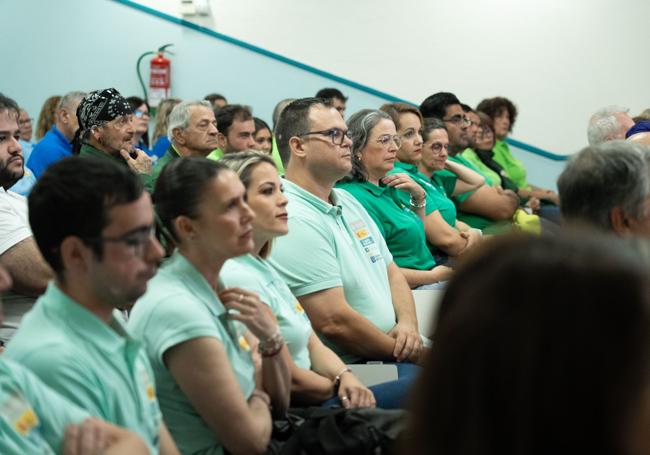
(308, 68)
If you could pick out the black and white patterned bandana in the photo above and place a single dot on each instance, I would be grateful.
(102, 106)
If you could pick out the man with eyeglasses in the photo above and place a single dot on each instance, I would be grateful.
(236, 130)
(486, 208)
(106, 132)
(26, 182)
(18, 251)
(93, 223)
(334, 258)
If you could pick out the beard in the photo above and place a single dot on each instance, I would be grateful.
(8, 177)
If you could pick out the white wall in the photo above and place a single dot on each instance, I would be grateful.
(558, 60)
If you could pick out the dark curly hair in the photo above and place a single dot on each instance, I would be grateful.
(495, 106)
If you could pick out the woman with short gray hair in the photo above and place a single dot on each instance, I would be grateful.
(374, 150)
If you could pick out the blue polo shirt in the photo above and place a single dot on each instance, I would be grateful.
(53, 147)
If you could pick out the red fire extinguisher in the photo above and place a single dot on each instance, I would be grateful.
(159, 76)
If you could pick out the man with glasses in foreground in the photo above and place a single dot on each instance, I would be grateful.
(93, 223)
(334, 258)
(106, 131)
(487, 208)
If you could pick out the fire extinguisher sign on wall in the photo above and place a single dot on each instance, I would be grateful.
(159, 79)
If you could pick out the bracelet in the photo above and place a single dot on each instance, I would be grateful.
(272, 345)
(418, 204)
(262, 396)
(337, 379)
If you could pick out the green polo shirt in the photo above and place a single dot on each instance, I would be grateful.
(215, 155)
(33, 417)
(179, 306)
(436, 197)
(335, 245)
(170, 155)
(513, 166)
(470, 156)
(88, 151)
(255, 274)
(95, 365)
(401, 227)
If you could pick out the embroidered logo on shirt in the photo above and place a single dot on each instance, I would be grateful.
(243, 343)
(21, 415)
(299, 307)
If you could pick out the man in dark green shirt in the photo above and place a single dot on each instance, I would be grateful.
(106, 129)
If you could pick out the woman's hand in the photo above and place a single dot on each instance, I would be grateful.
(250, 311)
(353, 394)
(405, 183)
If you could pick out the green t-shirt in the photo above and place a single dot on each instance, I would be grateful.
(255, 274)
(88, 151)
(402, 228)
(170, 155)
(471, 157)
(436, 196)
(215, 155)
(33, 417)
(513, 166)
(97, 366)
(445, 180)
(180, 305)
(335, 245)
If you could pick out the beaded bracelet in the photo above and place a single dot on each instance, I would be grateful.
(272, 345)
(418, 205)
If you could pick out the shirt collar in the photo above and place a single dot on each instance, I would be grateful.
(407, 167)
(106, 337)
(298, 192)
(180, 268)
(59, 135)
(89, 150)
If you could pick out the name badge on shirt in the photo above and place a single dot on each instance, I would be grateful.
(367, 242)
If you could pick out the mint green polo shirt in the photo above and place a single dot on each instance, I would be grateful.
(471, 157)
(170, 155)
(33, 417)
(215, 155)
(179, 306)
(402, 228)
(255, 274)
(97, 366)
(335, 245)
(513, 166)
(436, 197)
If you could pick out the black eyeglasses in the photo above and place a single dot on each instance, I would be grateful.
(458, 120)
(337, 135)
(138, 239)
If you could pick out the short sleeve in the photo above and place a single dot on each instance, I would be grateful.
(175, 319)
(14, 226)
(306, 258)
(69, 377)
(54, 411)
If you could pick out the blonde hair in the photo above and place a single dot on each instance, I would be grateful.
(243, 163)
(162, 118)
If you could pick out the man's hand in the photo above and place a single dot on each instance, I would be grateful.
(407, 341)
(141, 164)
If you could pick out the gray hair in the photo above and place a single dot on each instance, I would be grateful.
(279, 108)
(70, 99)
(603, 177)
(603, 125)
(179, 117)
(360, 125)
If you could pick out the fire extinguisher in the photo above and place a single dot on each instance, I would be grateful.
(159, 76)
